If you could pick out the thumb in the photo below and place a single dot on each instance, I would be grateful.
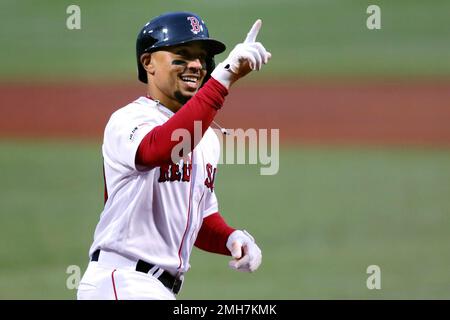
(241, 264)
(236, 249)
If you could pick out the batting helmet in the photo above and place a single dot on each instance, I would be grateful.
(171, 29)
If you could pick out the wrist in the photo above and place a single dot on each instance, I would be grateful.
(223, 75)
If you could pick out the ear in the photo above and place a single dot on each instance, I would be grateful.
(147, 63)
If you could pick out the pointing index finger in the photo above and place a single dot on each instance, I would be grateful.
(253, 33)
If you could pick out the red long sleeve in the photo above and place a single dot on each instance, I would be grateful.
(156, 147)
(213, 235)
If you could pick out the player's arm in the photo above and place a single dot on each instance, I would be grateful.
(218, 237)
(213, 235)
(156, 147)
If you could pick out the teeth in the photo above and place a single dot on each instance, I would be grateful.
(189, 79)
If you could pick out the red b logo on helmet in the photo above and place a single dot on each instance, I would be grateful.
(195, 24)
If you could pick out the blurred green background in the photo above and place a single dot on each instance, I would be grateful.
(308, 38)
(326, 216)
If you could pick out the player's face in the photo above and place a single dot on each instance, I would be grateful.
(179, 71)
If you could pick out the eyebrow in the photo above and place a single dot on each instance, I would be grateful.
(185, 50)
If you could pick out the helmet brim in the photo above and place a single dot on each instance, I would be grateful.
(212, 46)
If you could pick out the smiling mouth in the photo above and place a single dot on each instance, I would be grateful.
(191, 82)
(189, 79)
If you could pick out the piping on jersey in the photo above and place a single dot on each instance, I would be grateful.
(189, 210)
(114, 284)
(198, 217)
(105, 186)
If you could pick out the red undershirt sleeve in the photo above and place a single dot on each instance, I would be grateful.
(213, 235)
(156, 147)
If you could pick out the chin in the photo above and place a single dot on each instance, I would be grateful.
(183, 97)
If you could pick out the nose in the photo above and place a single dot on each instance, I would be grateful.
(195, 64)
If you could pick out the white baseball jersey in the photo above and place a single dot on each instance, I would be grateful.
(154, 214)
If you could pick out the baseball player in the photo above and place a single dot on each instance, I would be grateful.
(157, 206)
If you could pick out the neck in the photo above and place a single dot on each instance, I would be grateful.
(171, 103)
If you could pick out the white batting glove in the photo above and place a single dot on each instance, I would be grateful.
(245, 57)
(247, 255)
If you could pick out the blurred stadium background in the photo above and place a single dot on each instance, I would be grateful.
(364, 119)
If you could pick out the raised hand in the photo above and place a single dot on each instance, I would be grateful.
(245, 57)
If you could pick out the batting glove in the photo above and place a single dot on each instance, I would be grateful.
(245, 57)
(247, 255)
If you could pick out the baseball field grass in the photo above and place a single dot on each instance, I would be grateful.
(321, 221)
(307, 38)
